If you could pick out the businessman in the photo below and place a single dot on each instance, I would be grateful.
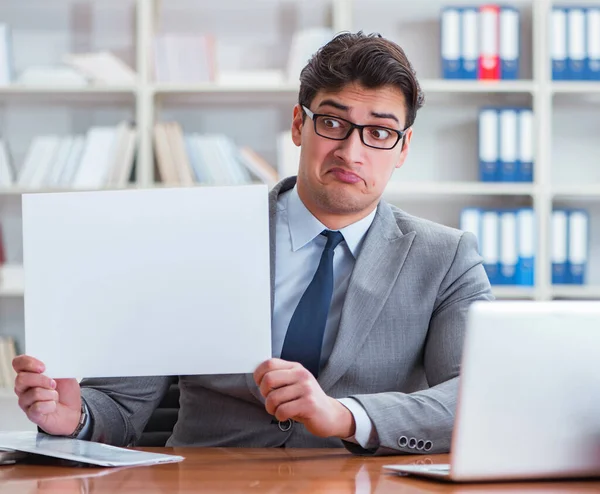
(369, 302)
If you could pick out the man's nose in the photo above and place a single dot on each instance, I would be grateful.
(351, 148)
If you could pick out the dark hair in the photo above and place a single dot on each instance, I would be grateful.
(370, 60)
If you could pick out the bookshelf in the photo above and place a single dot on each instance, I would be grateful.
(440, 175)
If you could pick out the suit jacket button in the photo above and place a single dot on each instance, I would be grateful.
(285, 425)
(412, 443)
(402, 441)
(428, 445)
(420, 444)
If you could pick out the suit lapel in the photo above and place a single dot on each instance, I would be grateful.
(283, 186)
(376, 270)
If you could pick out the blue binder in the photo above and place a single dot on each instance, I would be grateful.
(576, 44)
(450, 43)
(559, 247)
(526, 238)
(526, 146)
(509, 43)
(593, 43)
(578, 246)
(509, 140)
(469, 42)
(489, 144)
(490, 245)
(559, 44)
(509, 256)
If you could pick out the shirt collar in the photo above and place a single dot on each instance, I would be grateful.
(304, 227)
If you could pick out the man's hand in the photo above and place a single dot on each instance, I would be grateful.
(292, 392)
(54, 405)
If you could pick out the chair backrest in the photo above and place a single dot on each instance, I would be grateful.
(163, 419)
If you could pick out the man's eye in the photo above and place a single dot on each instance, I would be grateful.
(332, 123)
(380, 134)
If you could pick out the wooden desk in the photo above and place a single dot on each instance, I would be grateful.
(230, 470)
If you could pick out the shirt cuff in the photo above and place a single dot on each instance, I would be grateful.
(365, 434)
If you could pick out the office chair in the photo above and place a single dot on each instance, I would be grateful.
(163, 419)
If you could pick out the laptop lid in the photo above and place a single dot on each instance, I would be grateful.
(529, 399)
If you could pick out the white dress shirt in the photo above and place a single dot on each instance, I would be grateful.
(298, 250)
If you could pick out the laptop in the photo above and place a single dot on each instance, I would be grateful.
(529, 398)
(10, 456)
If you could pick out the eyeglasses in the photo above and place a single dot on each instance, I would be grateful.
(339, 129)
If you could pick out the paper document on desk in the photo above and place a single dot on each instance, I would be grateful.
(149, 282)
(83, 451)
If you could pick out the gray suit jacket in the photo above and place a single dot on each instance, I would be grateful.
(397, 352)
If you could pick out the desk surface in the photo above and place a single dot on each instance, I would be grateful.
(231, 470)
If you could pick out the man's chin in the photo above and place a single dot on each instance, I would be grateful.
(340, 201)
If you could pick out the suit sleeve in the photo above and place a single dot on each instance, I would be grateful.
(119, 408)
(422, 422)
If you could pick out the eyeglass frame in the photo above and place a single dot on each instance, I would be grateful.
(312, 115)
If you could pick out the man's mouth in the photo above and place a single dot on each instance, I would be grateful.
(345, 176)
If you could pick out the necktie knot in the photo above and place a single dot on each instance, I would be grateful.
(333, 238)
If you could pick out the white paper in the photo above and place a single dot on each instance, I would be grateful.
(93, 453)
(148, 282)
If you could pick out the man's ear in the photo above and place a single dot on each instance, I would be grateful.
(297, 122)
(405, 143)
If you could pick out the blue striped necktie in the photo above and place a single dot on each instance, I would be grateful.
(304, 336)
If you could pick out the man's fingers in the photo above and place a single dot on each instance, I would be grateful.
(271, 365)
(27, 380)
(34, 395)
(25, 363)
(283, 395)
(277, 379)
(37, 412)
(289, 410)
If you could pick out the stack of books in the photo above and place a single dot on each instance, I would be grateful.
(104, 157)
(210, 159)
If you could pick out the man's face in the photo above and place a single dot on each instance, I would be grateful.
(347, 178)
